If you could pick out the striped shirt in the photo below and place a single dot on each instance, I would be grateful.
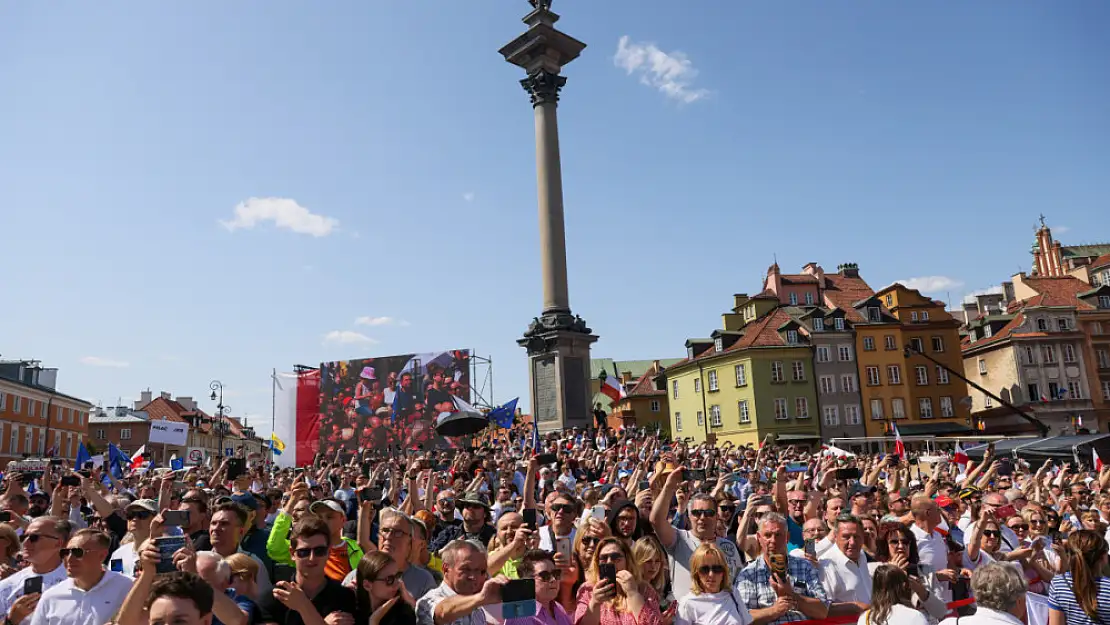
(1061, 597)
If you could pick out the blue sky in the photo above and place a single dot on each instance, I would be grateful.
(918, 139)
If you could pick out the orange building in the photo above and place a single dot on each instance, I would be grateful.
(34, 417)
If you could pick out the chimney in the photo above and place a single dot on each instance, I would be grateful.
(655, 366)
(848, 270)
(1008, 291)
(165, 395)
(188, 403)
(144, 399)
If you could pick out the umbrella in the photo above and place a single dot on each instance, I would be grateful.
(464, 421)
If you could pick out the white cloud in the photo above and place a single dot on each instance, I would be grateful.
(347, 337)
(671, 73)
(468, 196)
(284, 213)
(931, 284)
(97, 361)
(380, 321)
(988, 291)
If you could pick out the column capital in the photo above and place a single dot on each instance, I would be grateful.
(543, 86)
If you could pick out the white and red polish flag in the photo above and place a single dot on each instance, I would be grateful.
(1098, 461)
(613, 388)
(899, 446)
(960, 457)
(297, 416)
(137, 458)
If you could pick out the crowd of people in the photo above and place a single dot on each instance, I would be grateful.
(593, 527)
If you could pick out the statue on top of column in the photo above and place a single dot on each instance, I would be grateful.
(542, 5)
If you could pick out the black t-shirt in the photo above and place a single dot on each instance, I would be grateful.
(333, 597)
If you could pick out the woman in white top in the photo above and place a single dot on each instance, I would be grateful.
(890, 600)
(711, 600)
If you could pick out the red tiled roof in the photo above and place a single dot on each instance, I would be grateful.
(842, 293)
(1101, 261)
(1004, 332)
(766, 294)
(763, 332)
(1058, 291)
(798, 278)
(645, 386)
(164, 409)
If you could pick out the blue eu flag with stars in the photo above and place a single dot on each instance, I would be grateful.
(503, 415)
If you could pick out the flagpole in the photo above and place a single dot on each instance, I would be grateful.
(273, 411)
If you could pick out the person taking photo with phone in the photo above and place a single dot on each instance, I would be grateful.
(539, 566)
(140, 514)
(466, 588)
(43, 542)
(312, 595)
(779, 588)
(613, 593)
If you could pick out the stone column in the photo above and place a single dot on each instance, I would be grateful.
(544, 88)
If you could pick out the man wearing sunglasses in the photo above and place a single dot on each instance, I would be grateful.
(140, 514)
(42, 544)
(90, 594)
(562, 512)
(311, 589)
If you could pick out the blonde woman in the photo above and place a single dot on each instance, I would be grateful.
(712, 601)
(244, 573)
(585, 544)
(613, 593)
(652, 560)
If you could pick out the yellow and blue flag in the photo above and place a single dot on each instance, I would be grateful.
(276, 444)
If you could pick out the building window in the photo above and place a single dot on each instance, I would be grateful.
(1069, 352)
(868, 344)
(776, 371)
(873, 376)
(13, 442)
(125, 434)
(793, 299)
(655, 405)
(942, 375)
(809, 299)
(701, 419)
(838, 323)
(844, 353)
(874, 314)
(851, 414)
(925, 406)
(741, 375)
(799, 371)
(824, 354)
(988, 331)
(1034, 392)
(801, 408)
(715, 416)
(713, 380)
(946, 407)
(888, 342)
(913, 316)
(924, 315)
(1063, 324)
(818, 324)
(828, 385)
(718, 345)
(1054, 391)
(832, 419)
(1075, 390)
(877, 410)
(1030, 357)
(894, 374)
(42, 441)
(3, 401)
(1106, 390)
(1103, 359)
(917, 344)
(848, 383)
(988, 402)
(889, 299)
(1096, 326)
(32, 407)
(982, 367)
(697, 385)
(898, 408)
(674, 388)
(922, 375)
(1042, 325)
(791, 337)
(100, 434)
(1103, 302)
(1049, 353)
(26, 439)
(742, 406)
(780, 408)
(678, 421)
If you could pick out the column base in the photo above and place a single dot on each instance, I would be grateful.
(558, 345)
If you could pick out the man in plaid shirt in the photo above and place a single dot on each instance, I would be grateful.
(798, 597)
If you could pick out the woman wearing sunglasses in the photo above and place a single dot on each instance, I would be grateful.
(897, 546)
(539, 566)
(574, 574)
(381, 595)
(711, 600)
(614, 593)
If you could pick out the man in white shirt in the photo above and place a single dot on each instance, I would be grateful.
(992, 502)
(42, 546)
(465, 591)
(90, 595)
(562, 510)
(932, 550)
(844, 571)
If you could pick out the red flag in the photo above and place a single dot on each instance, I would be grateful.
(137, 458)
(899, 446)
(613, 389)
(1098, 461)
(959, 457)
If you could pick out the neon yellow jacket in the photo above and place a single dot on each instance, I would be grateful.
(278, 545)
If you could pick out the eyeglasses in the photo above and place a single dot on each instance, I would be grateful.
(140, 515)
(388, 580)
(76, 552)
(898, 541)
(561, 507)
(590, 541)
(447, 502)
(546, 576)
(1019, 527)
(610, 558)
(392, 531)
(715, 569)
(726, 508)
(304, 552)
(34, 538)
(794, 502)
(992, 533)
(1037, 522)
(706, 512)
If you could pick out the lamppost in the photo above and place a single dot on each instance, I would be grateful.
(221, 409)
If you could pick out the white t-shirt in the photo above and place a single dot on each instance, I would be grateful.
(899, 615)
(12, 587)
(843, 579)
(682, 550)
(129, 556)
(717, 608)
(66, 604)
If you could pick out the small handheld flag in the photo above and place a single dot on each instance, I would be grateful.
(176, 464)
(960, 457)
(1098, 461)
(82, 456)
(899, 446)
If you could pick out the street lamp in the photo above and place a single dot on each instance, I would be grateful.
(221, 409)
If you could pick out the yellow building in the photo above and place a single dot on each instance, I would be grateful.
(645, 406)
